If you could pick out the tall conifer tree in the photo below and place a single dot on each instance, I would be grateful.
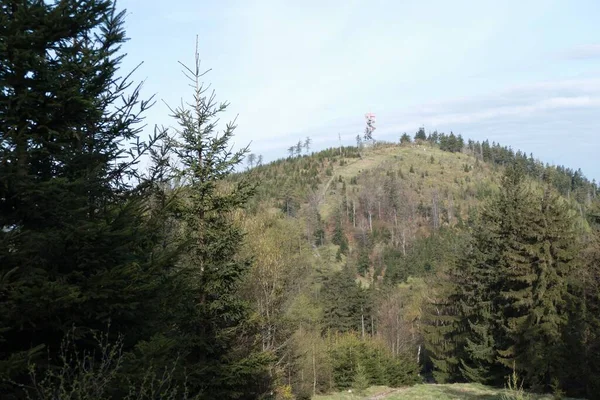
(77, 244)
(218, 341)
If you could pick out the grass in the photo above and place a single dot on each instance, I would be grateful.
(446, 172)
(431, 392)
(370, 392)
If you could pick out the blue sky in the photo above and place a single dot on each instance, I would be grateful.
(524, 73)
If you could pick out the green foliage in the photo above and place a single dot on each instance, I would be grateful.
(426, 255)
(86, 239)
(451, 143)
(345, 303)
(366, 361)
(95, 375)
(80, 225)
(510, 291)
(443, 338)
(514, 388)
(215, 336)
(339, 237)
(401, 372)
(361, 380)
(421, 135)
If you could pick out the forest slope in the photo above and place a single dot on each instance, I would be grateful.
(363, 243)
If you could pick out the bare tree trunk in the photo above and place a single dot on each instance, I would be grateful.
(434, 211)
(372, 326)
(353, 213)
(362, 318)
(370, 222)
(314, 362)
(450, 209)
(404, 242)
(268, 323)
(347, 211)
(395, 226)
(397, 336)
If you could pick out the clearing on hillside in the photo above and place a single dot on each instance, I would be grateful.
(467, 391)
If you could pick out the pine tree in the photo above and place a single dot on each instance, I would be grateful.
(476, 283)
(215, 334)
(307, 143)
(78, 245)
(405, 138)
(339, 238)
(433, 137)
(421, 135)
(537, 255)
(361, 380)
(512, 286)
(581, 357)
(554, 260)
(251, 159)
(342, 301)
(443, 339)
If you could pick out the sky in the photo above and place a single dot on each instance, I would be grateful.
(522, 73)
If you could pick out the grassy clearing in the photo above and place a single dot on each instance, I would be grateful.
(370, 392)
(445, 174)
(431, 392)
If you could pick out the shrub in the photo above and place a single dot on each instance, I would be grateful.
(361, 380)
(355, 360)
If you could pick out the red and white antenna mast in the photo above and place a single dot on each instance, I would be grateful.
(370, 117)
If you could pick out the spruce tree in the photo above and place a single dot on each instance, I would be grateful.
(344, 302)
(443, 337)
(553, 261)
(216, 337)
(361, 379)
(512, 286)
(421, 135)
(501, 278)
(405, 138)
(581, 357)
(339, 237)
(539, 253)
(476, 280)
(78, 246)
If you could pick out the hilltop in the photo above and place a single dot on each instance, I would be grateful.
(359, 242)
(398, 193)
(154, 267)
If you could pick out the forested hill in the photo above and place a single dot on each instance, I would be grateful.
(431, 259)
(404, 190)
(377, 239)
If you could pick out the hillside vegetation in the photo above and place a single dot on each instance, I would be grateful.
(384, 233)
(164, 269)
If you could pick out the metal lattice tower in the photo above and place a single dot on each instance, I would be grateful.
(370, 117)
